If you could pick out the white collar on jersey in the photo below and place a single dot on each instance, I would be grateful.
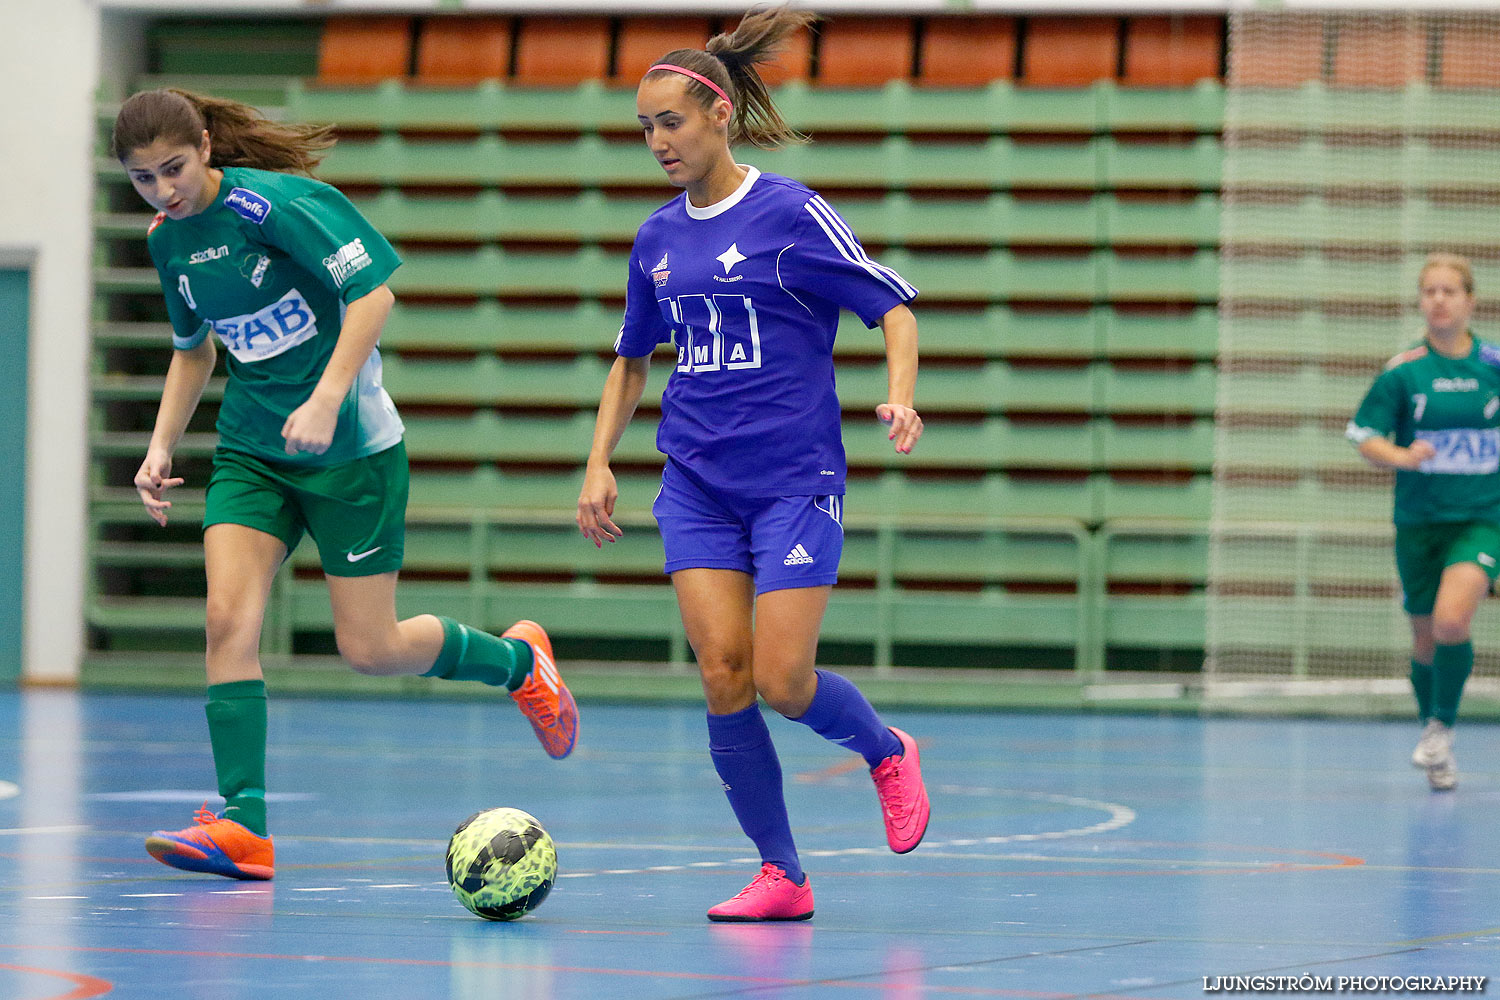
(720, 207)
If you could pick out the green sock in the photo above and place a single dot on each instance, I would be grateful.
(237, 730)
(1451, 666)
(469, 654)
(1421, 685)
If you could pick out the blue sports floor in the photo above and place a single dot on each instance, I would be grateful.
(1096, 855)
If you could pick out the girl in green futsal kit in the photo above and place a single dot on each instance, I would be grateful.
(291, 279)
(1432, 416)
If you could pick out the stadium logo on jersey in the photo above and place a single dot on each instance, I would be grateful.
(254, 268)
(1463, 451)
(797, 557)
(263, 334)
(212, 253)
(1455, 385)
(659, 273)
(346, 261)
(248, 205)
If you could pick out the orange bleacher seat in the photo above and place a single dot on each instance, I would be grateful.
(561, 51)
(463, 50)
(967, 51)
(1172, 51)
(794, 63)
(1469, 54)
(1277, 50)
(1379, 52)
(364, 49)
(865, 51)
(1070, 51)
(644, 40)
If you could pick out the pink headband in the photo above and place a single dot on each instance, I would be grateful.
(696, 76)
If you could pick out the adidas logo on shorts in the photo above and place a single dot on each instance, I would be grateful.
(797, 557)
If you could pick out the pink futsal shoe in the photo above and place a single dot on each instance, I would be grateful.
(903, 797)
(544, 699)
(769, 896)
(215, 846)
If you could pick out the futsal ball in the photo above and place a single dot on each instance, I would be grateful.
(501, 863)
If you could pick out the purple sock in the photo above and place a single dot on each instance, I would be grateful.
(840, 713)
(746, 760)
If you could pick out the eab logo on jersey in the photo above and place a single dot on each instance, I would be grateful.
(1463, 451)
(248, 205)
(346, 260)
(277, 328)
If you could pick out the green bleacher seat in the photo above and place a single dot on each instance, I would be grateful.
(995, 387)
(993, 443)
(268, 46)
(1131, 390)
(1141, 222)
(995, 331)
(1195, 108)
(1151, 278)
(1148, 622)
(587, 271)
(927, 498)
(1191, 164)
(1140, 497)
(1172, 444)
(490, 326)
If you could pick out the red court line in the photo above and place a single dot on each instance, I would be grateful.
(88, 986)
(528, 966)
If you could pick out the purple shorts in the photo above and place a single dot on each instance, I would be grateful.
(782, 542)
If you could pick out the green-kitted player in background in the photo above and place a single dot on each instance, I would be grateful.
(1432, 416)
(288, 275)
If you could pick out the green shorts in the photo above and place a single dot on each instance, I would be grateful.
(355, 511)
(1423, 551)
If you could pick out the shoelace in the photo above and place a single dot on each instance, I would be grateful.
(203, 817)
(536, 704)
(893, 794)
(768, 874)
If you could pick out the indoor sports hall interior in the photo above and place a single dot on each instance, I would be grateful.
(1133, 593)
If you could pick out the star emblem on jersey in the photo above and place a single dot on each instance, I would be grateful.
(730, 257)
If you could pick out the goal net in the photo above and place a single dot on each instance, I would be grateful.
(1354, 145)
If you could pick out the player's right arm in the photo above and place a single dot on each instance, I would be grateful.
(193, 358)
(1377, 418)
(622, 393)
(187, 376)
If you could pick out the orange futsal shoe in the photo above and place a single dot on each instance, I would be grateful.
(544, 699)
(215, 846)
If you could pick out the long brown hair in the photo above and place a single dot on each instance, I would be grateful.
(731, 61)
(239, 135)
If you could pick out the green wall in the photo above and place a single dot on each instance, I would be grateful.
(14, 322)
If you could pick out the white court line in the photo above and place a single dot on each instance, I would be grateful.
(9, 789)
(147, 895)
(22, 831)
(57, 897)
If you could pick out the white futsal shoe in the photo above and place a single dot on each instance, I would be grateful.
(1434, 754)
(1435, 744)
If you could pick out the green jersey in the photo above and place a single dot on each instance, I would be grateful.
(268, 268)
(1452, 404)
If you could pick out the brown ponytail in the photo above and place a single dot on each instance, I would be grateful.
(239, 135)
(731, 62)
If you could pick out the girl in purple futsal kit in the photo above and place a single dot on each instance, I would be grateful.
(746, 274)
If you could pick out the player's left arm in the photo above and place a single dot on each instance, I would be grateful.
(899, 409)
(310, 426)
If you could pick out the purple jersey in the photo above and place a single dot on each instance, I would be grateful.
(749, 290)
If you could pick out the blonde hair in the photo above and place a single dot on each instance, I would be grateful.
(730, 62)
(239, 135)
(1455, 261)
